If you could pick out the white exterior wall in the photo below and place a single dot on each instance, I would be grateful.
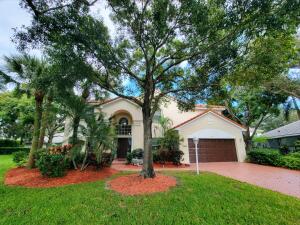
(121, 105)
(212, 126)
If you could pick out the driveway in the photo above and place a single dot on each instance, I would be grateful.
(274, 178)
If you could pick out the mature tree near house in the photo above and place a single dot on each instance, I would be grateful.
(35, 74)
(16, 116)
(161, 48)
(249, 106)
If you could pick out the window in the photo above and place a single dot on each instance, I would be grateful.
(123, 121)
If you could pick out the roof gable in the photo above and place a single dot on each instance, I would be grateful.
(215, 114)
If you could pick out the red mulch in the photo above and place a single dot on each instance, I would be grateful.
(136, 185)
(32, 178)
(155, 165)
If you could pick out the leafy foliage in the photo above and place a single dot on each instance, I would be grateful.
(10, 150)
(16, 116)
(156, 39)
(274, 158)
(20, 158)
(52, 165)
(100, 139)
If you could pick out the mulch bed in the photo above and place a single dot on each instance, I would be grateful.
(135, 184)
(32, 178)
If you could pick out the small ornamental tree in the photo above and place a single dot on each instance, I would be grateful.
(162, 47)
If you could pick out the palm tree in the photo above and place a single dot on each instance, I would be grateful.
(34, 73)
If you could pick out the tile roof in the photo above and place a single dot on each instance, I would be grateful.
(291, 129)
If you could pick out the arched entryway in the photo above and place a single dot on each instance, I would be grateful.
(122, 120)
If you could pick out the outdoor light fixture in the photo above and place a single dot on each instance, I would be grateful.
(196, 140)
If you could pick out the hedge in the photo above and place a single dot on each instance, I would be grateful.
(10, 150)
(9, 143)
(274, 158)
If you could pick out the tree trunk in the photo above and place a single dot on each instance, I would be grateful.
(39, 96)
(50, 139)
(44, 122)
(147, 171)
(247, 139)
(76, 122)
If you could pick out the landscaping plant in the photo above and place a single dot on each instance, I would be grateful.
(273, 157)
(20, 158)
(52, 165)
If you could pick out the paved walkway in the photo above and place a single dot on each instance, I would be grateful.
(274, 178)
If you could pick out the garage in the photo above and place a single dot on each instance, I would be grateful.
(213, 150)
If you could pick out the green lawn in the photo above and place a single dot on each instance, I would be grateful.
(204, 199)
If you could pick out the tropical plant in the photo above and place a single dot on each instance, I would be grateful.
(99, 139)
(34, 72)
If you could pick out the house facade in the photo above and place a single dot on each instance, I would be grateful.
(220, 139)
(285, 135)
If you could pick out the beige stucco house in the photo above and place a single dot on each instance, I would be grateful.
(220, 139)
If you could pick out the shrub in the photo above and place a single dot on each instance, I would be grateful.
(10, 150)
(156, 157)
(52, 165)
(9, 143)
(264, 156)
(290, 161)
(176, 156)
(171, 140)
(137, 153)
(295, 154)
(297, 146)
(64, 149)
(129, 158)
(107, 159)
(284, 150)
(20, 158)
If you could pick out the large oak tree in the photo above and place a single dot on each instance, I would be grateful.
(161, 48)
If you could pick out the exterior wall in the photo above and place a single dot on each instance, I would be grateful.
(121, 107)
(171, 111)
(211, 126)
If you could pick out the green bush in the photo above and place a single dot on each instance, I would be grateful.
(137, 153)
(275, 158)
(290, 162)
(9, 143)
(284, 150)
(295, 154)
(10, 150)
(20, 158)
(52, 165)
(265, 156)
(129, 158)
(107, 159)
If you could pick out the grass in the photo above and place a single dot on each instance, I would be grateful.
(204, 199)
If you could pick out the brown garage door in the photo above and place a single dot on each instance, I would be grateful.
(213, 150)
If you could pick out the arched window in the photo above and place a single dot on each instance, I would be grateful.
(123, 121)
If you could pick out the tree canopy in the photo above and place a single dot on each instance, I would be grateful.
(162, 47)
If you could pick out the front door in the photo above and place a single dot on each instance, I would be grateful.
(123, 147)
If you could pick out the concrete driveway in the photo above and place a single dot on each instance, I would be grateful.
(274, 178)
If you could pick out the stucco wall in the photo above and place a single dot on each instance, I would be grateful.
(211, 126)
(119, 107)
(171, 111)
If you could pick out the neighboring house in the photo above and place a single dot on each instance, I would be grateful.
(58, 139)
(284, 136)
(221, 139)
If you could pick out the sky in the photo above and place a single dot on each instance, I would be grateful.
(12, 16)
